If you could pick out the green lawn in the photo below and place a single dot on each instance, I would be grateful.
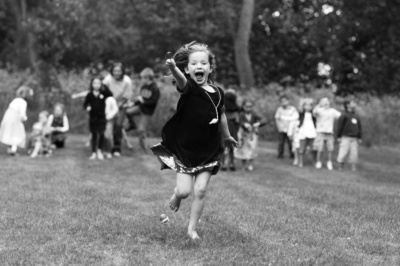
(68, 210)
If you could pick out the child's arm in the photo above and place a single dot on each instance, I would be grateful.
(79, 94)
(178, 75)
(225, 132)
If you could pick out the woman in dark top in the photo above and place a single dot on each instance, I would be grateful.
(95, 104)
(192, 140)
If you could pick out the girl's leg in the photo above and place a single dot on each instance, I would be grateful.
(36, 149)
(100, 144)
(199, 193)
(181, 191)
(303, 145)
(94, 145)
(231, 160)
(224, 160)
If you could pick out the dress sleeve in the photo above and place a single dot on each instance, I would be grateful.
(190, 83)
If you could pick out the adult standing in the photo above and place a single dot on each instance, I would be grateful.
(121, 87)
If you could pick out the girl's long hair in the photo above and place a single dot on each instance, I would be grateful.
(181, 57)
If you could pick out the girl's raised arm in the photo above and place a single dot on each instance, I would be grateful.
(178, 75)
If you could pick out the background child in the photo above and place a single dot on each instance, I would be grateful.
(95, 104)
(38, 142)
(249, 123)
(307, 130)
(349, 133)
(326, 117)
(145, 104)
(283, 116)
(232, 115)
(192, 139)
(12, 130)
(58, 125)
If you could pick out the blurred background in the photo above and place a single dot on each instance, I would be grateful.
(264, 48)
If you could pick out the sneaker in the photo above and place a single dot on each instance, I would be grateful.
(100, 155)
(117, 154)
(250, 168)
(93, 157)
(108, 155)
(296, 162)
(329, 165)
(318, 165)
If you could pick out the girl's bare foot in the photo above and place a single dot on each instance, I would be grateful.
(174, 203)
(193, 235)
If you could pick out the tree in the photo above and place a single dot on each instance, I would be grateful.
(241, 43)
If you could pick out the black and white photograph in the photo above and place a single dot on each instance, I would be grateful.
(213, 132)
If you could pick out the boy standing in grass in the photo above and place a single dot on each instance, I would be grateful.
(284, 115)
(349, 135)
(326, 117)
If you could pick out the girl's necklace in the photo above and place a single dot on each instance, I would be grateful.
(215, 120)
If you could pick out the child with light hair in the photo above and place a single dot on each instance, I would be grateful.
(38, 142)
(12, 130)
(325, 122)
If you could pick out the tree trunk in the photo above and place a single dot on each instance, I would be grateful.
(242, 56)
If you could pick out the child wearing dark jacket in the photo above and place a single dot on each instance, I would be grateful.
(349, 135)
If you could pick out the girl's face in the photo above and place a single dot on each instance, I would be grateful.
(146, 80)
(58, 111)
(248, 107)
(42, 118)
(324, 103)
(199, 67)
(307, 107)
(117, 72)
(96, 84)
(352, 106)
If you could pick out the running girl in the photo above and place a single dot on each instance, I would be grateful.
(192, 140)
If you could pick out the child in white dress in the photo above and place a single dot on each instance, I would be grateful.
(12, 130)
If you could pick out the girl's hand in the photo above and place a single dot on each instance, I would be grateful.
(88, 108)
(230, 141)
(257, 124)
(170, 63)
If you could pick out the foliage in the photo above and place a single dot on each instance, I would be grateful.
(358, 40)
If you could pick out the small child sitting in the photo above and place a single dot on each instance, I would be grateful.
(38, 144)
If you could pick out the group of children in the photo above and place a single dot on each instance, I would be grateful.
(315, 129)
(47, 133)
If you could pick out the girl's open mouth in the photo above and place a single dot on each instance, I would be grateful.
(199, 75)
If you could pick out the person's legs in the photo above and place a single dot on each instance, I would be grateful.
(319, 147)
(231, 159)
(144, 120)
(199, 193)
(302, 149)
(94, 141)
(131, 112)
(100, 144)
(36, 149)
(118, 122)
(343, 151)
(108, 138)
(281, 143)
(330, 147)
(353, 157)
(290, 147)
(181, 191)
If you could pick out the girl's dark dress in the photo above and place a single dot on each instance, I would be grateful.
(190, 144)
(97, 115)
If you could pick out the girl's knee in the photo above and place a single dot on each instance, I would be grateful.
(183, 192)
(200, 191)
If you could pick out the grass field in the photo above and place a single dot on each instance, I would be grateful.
(67, 210)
